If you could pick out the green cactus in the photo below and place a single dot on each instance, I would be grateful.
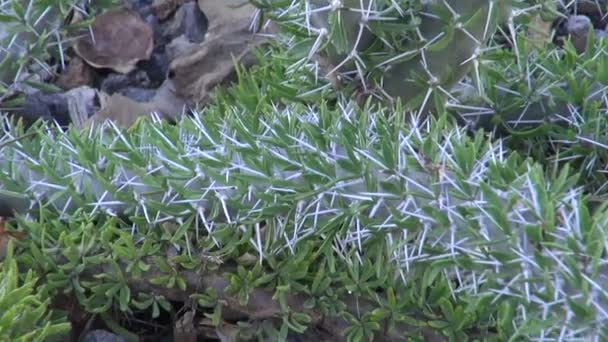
(417, 51)
(33, 31)
(460, 233)
(427, 197)
(455, 37)
(545, 101)
(409, 49)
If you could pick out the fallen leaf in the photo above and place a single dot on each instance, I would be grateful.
(81, 104)
(212, 64)
(120, 39)
(230, 41)
(121, 110)
(5, 236)
(184, 328)
(77, 74)
(124, 111)
(224, 13)
(164, 8)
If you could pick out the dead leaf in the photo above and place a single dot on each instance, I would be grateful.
(213, 64)
(81, 104)
(121, 110)
(223, 13)
(120, 39)
(5, 236)
(124, 111)
(229, 41)
(184, 328)
(78, 73)
(164, 8)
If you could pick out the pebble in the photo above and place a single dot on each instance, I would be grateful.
(45, 106)
(102, 336)
(578, 27)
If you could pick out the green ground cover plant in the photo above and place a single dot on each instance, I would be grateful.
(403, 199)
(25, 314)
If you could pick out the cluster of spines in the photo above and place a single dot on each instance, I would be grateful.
(435, 196)
(414, 51)
(499, 230)
(440, 44)
(552, 96)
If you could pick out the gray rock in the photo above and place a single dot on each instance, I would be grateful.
(594, 9)
(115, 82)
(578, 27)
(156, 67)
(102, 336)
(139, 94)
(45, 106)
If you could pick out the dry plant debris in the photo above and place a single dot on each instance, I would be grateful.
(229, 41)
(119, 39)
(5, 236)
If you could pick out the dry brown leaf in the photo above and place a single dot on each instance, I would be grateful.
(124, 111)
(120, 39)
(222, 13)
(229, 41)
(164, 8)
(78, 73)
(81, 104)
(184, 328)
(5, 236)
(213, 64)
(121, 110)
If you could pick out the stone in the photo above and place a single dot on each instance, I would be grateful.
(45, 106)
(578, 27)
(102, 336)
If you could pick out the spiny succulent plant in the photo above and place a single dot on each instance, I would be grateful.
(460, 234)
(550, 102)
(411, 50)
(483, 225)
(34, 32)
